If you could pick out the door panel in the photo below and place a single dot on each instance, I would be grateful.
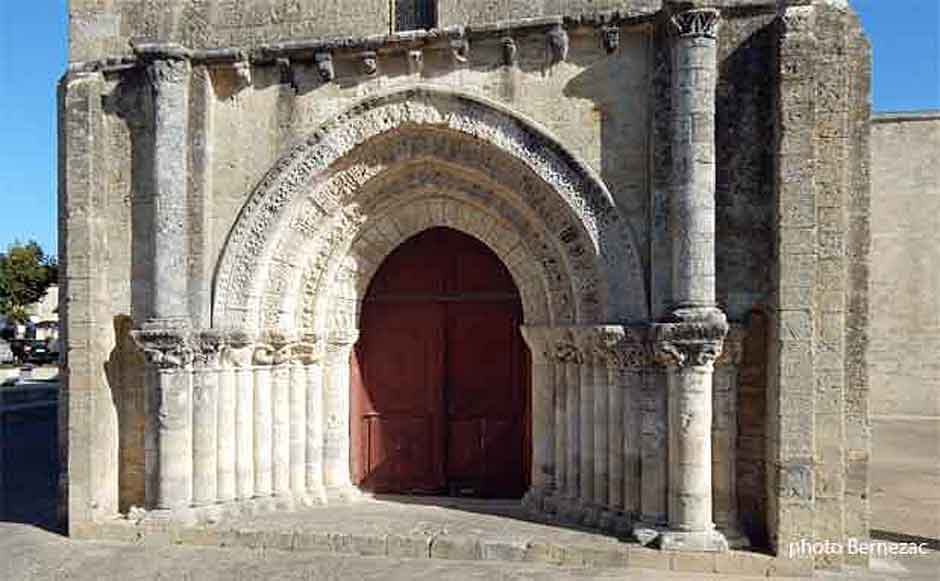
(485, 388)
(440, 391)
(398, 410)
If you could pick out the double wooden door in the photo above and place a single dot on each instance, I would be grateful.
(440, 374)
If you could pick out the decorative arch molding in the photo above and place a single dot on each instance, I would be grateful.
(315, 196)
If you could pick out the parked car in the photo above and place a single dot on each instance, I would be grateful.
(32, 351)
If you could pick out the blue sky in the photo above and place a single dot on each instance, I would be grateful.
(904, 34)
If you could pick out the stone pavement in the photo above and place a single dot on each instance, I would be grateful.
(905, 498)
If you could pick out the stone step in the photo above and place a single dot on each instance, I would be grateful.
(433, 528)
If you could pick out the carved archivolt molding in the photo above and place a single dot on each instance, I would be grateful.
(314, 197)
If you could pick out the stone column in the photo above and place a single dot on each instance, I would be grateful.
(690, 341)
(298, 424)
(689, 350)
(240, 354)
(280, 422)
(164, 336)
(585, 342)
(561, 427)
(570, 360)
(169, 447)
(724, 439)
(692, 204)
(543, 415)
(336, 415)
(168, 72)
(205, 420)
(314, 437)
(262, 447)
(227, 451)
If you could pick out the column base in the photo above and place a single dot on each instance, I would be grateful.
(698, 541)
(164, 517)
(736, 539)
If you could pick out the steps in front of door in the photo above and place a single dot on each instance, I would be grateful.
(439, 528)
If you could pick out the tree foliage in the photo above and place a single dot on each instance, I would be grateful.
(25, 275)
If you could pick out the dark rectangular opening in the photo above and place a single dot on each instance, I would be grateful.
(415, 15)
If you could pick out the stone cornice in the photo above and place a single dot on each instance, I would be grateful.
(444, 39)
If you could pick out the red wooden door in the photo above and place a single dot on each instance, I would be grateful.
(440, 384)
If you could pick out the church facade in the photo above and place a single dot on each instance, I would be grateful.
(606, 258)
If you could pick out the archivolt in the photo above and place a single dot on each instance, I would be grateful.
(318, 195)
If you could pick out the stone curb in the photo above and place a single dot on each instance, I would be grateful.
(450, 547)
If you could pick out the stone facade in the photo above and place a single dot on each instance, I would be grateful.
(679, 191)
(905, 282)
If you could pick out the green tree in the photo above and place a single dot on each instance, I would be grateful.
(25, 275)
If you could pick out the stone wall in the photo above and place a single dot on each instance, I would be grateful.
(905, 276)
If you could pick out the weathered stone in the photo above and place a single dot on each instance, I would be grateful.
(232, 183)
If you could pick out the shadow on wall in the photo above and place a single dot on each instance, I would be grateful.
(125, 373)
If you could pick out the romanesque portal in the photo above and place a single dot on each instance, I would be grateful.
(610, 263)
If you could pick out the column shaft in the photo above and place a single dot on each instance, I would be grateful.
(205, 435)
(615, 444)
(314, 439)
(298, 429)
(226, 435)
(244, 428)
(280, 430)
(170, 418)
(573, 461)
(169, 80)
(601, 427)
(336, 409)
(262, 431)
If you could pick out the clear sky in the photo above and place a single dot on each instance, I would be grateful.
(904, 34)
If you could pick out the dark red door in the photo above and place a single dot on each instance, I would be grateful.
(440, 373)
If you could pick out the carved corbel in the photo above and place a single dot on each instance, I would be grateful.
(324, 64)
(460, 50)
(611, 38)
(557, 43)
(286, 68)
(415, 62)
(370, 62)
(242, 70)
(510, 52)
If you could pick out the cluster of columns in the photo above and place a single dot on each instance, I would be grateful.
(588, 383)
(233, 420)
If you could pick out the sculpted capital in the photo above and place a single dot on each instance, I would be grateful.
(164, 72)
(697, 23)
(689, 343)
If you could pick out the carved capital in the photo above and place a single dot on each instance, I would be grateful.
(369, 62)
(164, 72)
(689, 343)
(286, 68)
(698, 23)
(460, 50)
(207, 349)
(263, 354)
(308, 352)
(558, 43)
(566, 349)
(540, 340)
(324, 63)
(629, 350)
(165, 348)
(732, 350)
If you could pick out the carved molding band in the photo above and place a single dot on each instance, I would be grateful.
(702, 23)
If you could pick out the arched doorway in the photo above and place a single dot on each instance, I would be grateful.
(440, 374)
